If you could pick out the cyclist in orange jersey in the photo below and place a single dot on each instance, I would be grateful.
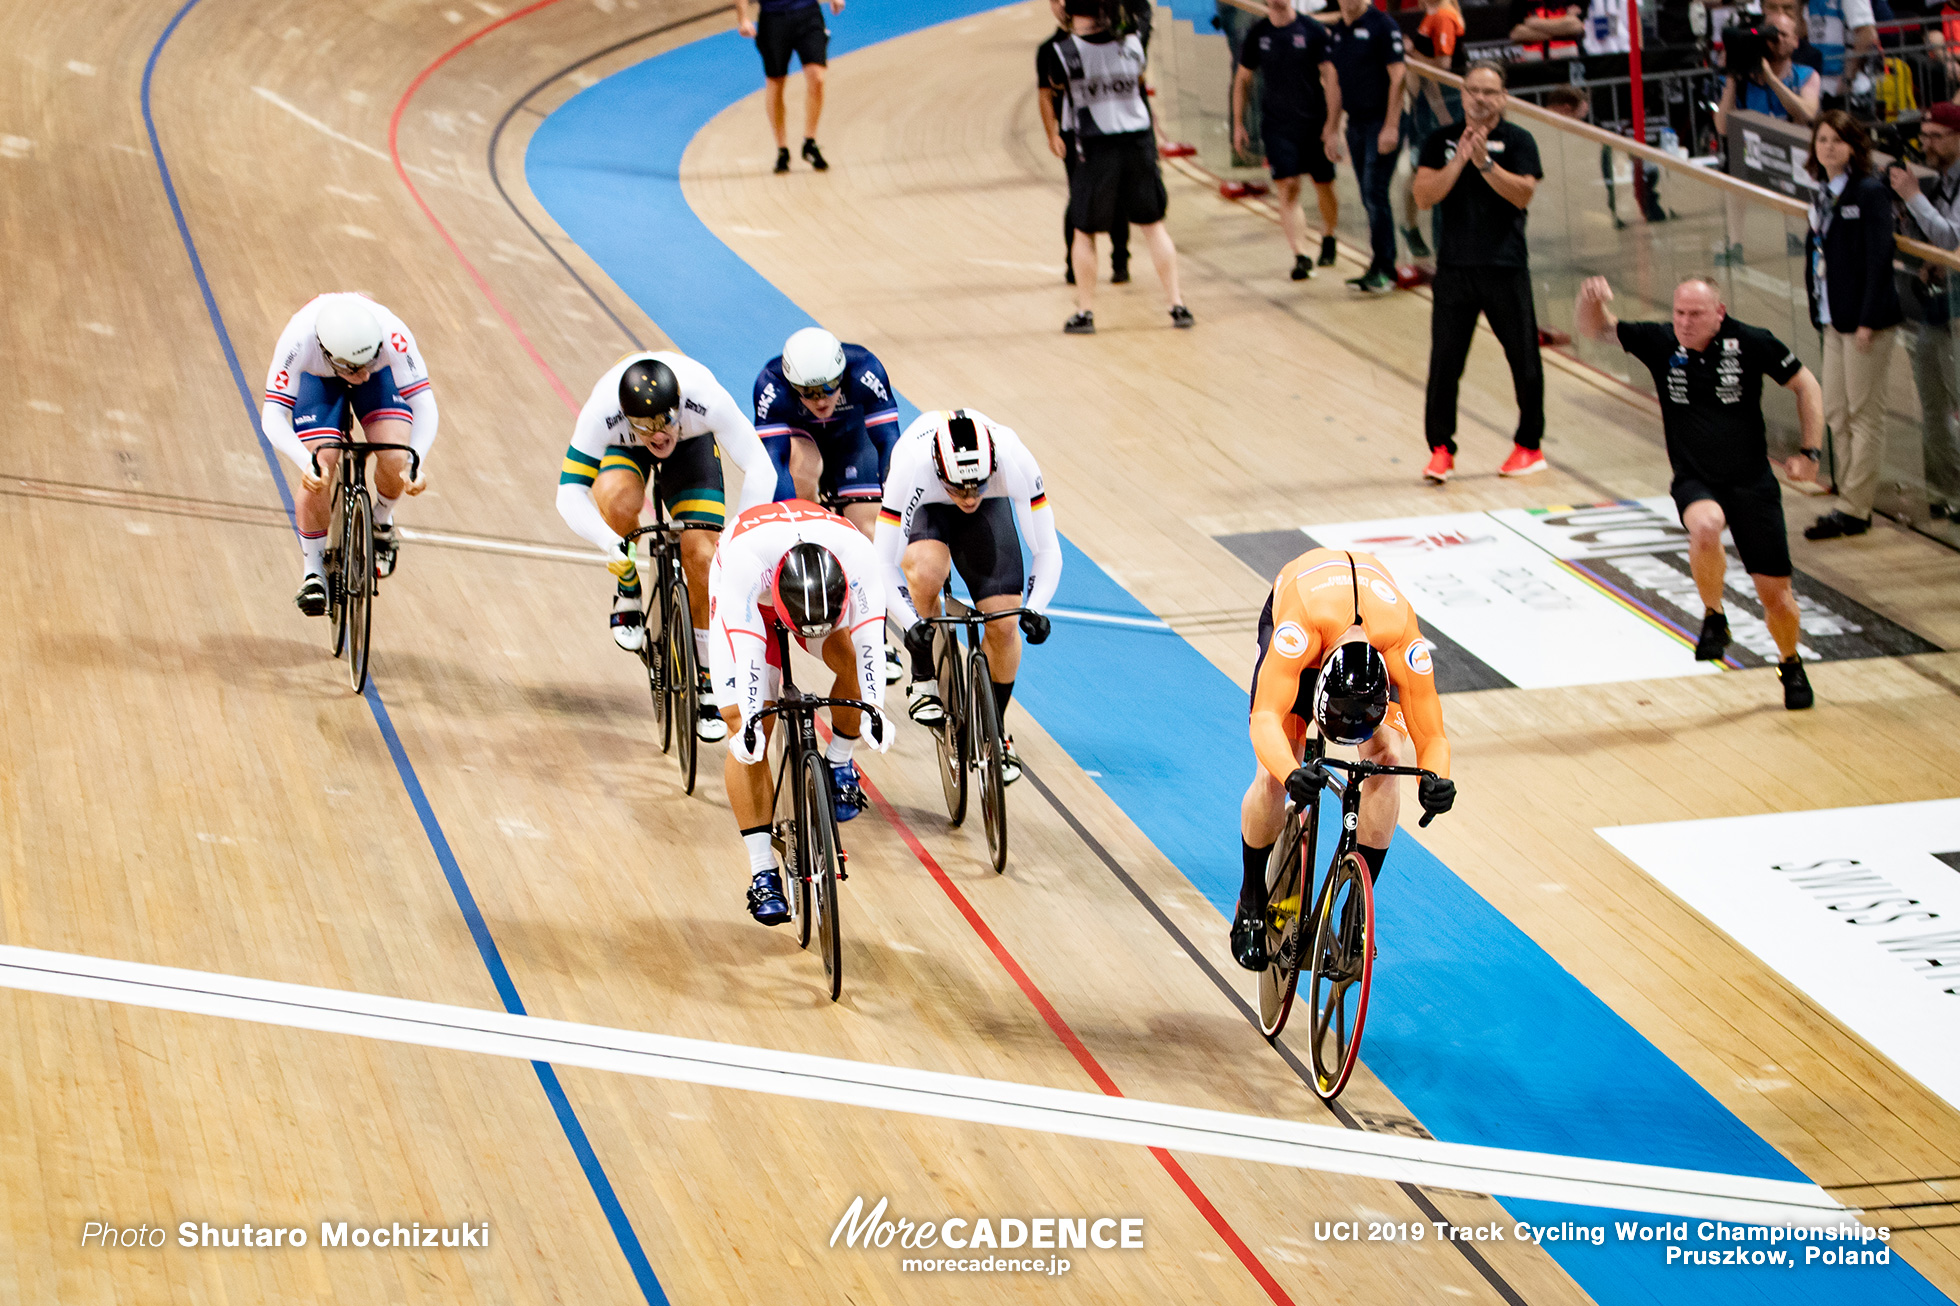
(1336, 635)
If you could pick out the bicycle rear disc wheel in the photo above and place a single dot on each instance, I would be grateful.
(1341, 972)
(653, 653)
(357, 576)
(949, 737)
(1287, 875)
(987, 753)
(683, 681)
(820, 844)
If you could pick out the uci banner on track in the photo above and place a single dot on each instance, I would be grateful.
(1577, 595)
(1859, 907)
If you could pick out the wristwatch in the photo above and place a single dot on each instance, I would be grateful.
(1815, 455)
(1487, 164)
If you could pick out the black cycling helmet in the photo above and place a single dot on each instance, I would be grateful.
(649, 389)
(809, 589)
(1352, 696)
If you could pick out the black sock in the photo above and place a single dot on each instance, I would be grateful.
(1372, 858)
(1003, 692)
(921, 664)
(1253, 890)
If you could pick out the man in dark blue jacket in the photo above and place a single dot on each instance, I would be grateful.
(1365, 47)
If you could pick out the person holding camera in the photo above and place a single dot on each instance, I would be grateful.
(1933, 215)
(1763, 74)
(1848, 273)
(1708, 372)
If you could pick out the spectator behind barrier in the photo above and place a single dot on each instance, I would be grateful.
(1933, 216)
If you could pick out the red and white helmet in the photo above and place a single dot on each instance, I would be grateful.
(963, 449)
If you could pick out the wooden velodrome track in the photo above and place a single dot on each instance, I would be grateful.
(186, 781)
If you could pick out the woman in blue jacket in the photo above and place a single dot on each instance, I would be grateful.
(1854, 302)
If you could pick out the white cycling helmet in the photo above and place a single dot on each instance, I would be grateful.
(813, 362)
(963, 448)
(349, 333)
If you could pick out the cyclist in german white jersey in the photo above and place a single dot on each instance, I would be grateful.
(957, 485)
(660, 408)
(818, 575)
(340, 351)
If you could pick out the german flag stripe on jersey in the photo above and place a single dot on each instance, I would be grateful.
(887, 515)
(1039, 502)
(578, 469)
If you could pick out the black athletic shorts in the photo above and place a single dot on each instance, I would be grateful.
(690, 477)
(1755, 517)
(801, 33)
(1292, 151)
(1116, 182)
(985, 546)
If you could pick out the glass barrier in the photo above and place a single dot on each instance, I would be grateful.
(1645, 221)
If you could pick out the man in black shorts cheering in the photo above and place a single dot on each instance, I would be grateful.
(1708, 374)
(783, 28)
(1300, 117)
(1117, 177)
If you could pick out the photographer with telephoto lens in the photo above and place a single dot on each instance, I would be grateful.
(1763, 76)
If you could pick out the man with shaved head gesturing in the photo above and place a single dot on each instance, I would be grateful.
(1708, 375)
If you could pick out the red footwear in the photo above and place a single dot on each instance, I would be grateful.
(1523, 462)
(1442, 466)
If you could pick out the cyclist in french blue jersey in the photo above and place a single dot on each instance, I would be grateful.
(826, 414)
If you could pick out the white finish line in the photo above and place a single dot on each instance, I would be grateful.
(1613, 1184)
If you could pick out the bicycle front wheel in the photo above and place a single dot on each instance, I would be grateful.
(819, 839)
(1287, 876)
(683, 680)
(1342, 968)
(949, 738)
(987, 751)
(335, 563)
(357, 577)
(653, 653)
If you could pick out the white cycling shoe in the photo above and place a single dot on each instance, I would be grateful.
(710, 728)
(894, 666)
(629, 629)
(922, 702)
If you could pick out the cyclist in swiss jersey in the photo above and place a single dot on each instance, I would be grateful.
(345, 351)
(957, 484)
(1338, 647)
(667, 411)
(816, 574)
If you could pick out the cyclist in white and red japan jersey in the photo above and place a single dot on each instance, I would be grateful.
(744, 656)
(343, 351)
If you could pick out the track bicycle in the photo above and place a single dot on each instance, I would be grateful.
(970, 737)
(1334, 936)
(667, 651)
(803, 829)
(350, 562)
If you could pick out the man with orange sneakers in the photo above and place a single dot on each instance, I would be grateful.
(1336, 634)
(1480, 174)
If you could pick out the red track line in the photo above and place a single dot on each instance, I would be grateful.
(394, 152)
(1034, 995)
(1072, 1042)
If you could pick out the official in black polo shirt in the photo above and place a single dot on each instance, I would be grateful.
(1299, 118)
(1366, 47)
(1708, 375)
(1481, 173)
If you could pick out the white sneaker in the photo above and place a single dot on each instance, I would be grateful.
(894, 666)
(629, 629)
(922, 702)
(710, 729)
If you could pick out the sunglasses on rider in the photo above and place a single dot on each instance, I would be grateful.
(824, 391)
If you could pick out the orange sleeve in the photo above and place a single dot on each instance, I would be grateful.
(1411, 667)
(1274, 693)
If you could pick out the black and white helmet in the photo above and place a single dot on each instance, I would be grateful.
(963, 451)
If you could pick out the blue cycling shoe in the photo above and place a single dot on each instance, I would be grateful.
(766, 901)
(850, 794)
